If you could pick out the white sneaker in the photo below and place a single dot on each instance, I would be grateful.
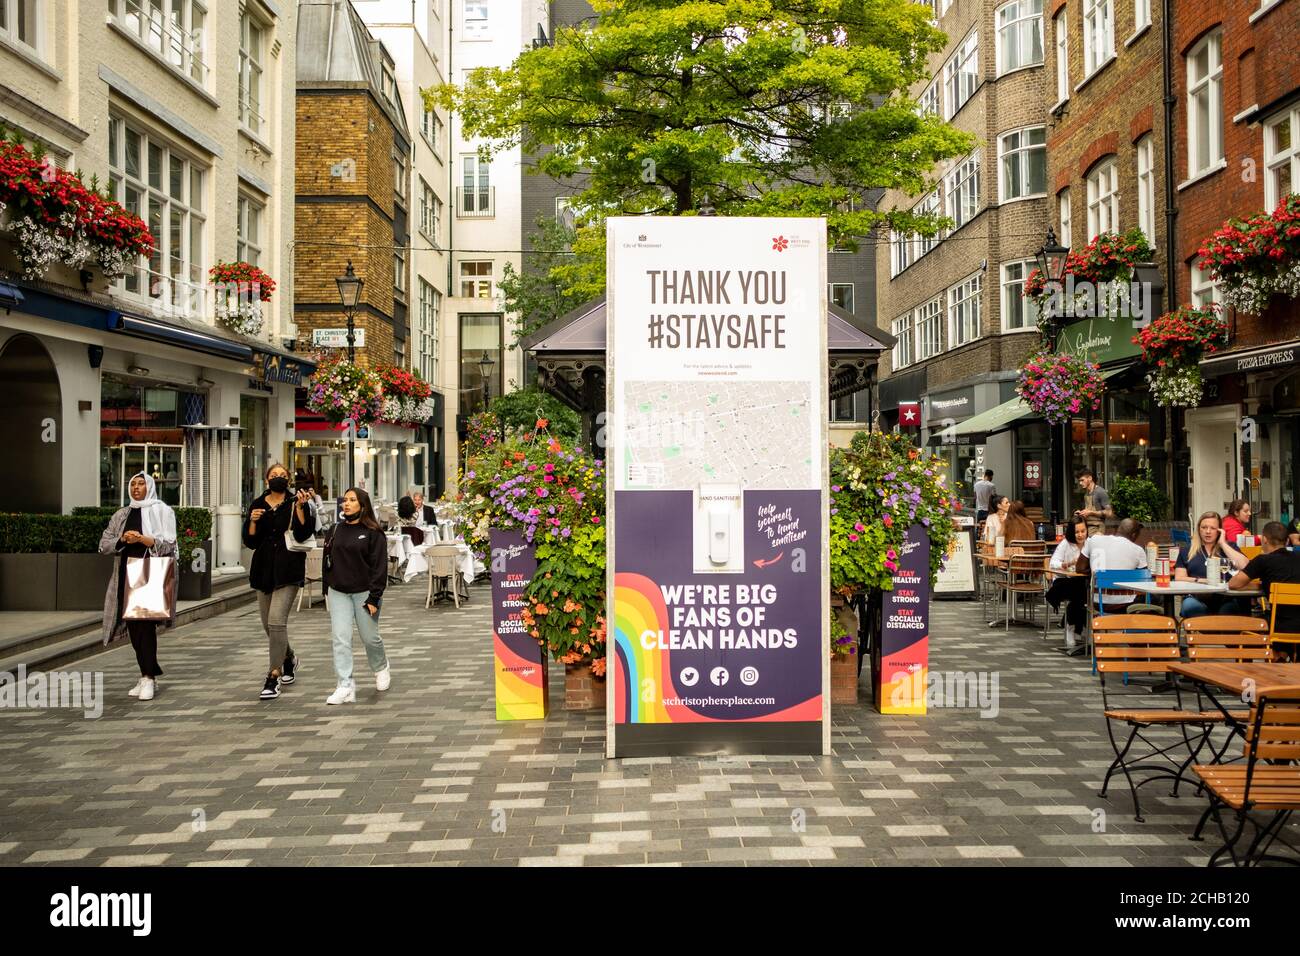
(135, 691)
(148, 687)
(342, 695)
(383, 679)
(1070, 637)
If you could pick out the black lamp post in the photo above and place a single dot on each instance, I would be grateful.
(485, 368)
(1052, 259)
(349, 295)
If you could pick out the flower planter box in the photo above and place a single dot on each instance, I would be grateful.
(196, 585)
(29, 582)
(82, 581)
(582, 689)
(844, 677)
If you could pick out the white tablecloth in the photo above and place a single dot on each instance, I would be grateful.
(399, 547)
(417, 564)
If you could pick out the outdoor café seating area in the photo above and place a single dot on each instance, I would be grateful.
(1207, 705)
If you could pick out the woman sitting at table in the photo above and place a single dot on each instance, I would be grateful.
(1210, 542)
(1016, 526)
(998, 514)
(1237, 521)
(1072, 590)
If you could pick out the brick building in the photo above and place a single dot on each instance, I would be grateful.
(1236, 83)
(353, 189)
(954, 301)
(1106, 165)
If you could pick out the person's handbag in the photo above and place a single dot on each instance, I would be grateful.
(293, 544)
(150, 584)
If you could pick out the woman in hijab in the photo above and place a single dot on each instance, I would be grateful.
(146, 526)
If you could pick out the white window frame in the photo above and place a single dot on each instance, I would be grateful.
(962, 191)
(479, 283)
(1098, 34)
(1065, 218)
(478, 26)
(429, 305)
(484, 205)
(928, 322)
(428, 211)
(251, 72)
(431, 130)
(1146, 187)
(250, 214)
(1012, 292)
(400, 169)
(905, 348)
(33, 18)
(1022, 20)
(901, 252)
(1141, 15)
(931, 101)
(1103, 198)
(1275, 160)
(400, 272)
(1204, 291)
(1061, 30)
(930, 205)
(166, 28)
(1209, 89)
(184, 293)
(961, 75)
(830, 295)
(965, 321)
(1022, 155)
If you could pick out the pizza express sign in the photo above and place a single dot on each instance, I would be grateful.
(268, 367)
(1254, 361)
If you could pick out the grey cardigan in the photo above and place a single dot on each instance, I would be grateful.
(113, 627)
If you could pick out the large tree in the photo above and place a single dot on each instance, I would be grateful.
(755, 106)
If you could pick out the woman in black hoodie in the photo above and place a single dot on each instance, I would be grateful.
(277, 573)
(356, 571)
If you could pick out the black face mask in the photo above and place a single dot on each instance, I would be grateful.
(352, 518)
(279, 484)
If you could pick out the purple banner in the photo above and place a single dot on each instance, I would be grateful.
(904, 653)
(521, 686)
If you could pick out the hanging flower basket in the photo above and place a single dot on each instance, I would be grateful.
(55, 218)
(239, 289)
(1257, 258)
(1058, 386)
(1180, 387)
(1098, 270)
(340, 390)
(1173, 346)
(408, 399)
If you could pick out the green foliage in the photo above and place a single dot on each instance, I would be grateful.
(520, 410)
(881, 486)
(540, 296)
(79, 532)
(762, 107)
(193, 527)
(1138, 498)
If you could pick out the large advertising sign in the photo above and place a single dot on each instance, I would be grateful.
(520, 662)
(718, 569)
(902, 659)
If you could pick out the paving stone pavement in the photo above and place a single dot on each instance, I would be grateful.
(423, 774)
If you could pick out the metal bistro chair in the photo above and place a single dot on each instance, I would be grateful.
(1103, 583)
(990, 571)
(1026, 575)
(1146, 644)
(442, 560)
(1227, 638)
(314, 575)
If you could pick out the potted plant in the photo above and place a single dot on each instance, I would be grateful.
(1173, 346)
(844, 659)
(1058, 386)
(194, 554)
(1138, 498)
(1257, 258)
(240, 289)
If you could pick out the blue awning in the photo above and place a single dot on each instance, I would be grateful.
(176, 335)
(10, 295)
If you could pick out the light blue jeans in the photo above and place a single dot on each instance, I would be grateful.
(344, 610)
(1215, 604)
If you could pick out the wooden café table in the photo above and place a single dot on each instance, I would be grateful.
(1177, 589)
(1236, 679)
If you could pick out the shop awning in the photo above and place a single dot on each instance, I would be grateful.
(179, 335)
(10, 295)
(998, 418)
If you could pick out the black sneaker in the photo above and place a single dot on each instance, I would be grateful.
(272, 689)
(287, 669)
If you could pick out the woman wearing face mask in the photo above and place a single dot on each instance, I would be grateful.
(277, 573)
(356, 571)
(146, 526)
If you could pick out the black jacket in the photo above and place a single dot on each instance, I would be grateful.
(356, 560)
(274, 565)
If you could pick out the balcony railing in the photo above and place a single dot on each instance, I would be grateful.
(476, 203)
(184, 51)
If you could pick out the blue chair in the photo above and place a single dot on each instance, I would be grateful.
(1102, 582)
(1181, 538)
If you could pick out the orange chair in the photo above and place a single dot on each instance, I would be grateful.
(1287, 595)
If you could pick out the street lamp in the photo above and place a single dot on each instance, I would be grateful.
(485, 368)
(1052, 262)
(1052, 258)
(350, 294)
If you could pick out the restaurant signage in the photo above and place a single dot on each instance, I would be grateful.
(1255, 360)
(1101, 340)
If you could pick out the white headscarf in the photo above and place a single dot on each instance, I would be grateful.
(157, 520)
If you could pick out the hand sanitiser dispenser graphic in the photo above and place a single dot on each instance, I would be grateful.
(719, 532)
(719, 535)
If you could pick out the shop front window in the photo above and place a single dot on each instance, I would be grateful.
(140, 430)
(252, 446)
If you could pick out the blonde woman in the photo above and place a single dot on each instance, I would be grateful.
(146, 526)
(1209, 542)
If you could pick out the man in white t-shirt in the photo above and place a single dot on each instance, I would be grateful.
(984, 492)
(1114, 552)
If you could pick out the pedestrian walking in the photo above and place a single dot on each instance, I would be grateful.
(147, 526)
(356, 571)
(984, 492)
(278, 571)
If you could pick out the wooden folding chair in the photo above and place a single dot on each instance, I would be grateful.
(1286, 595)
(1145, 644)
(1269, 781)
(1228, 638)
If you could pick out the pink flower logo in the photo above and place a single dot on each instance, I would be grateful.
(780, 243)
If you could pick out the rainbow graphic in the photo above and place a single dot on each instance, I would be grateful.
(522, 692)
(904, 676)
(639, 607)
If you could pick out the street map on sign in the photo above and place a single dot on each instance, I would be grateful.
(680, 434)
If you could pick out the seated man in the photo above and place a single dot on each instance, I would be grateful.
(1114, 552)
(1275, 564)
